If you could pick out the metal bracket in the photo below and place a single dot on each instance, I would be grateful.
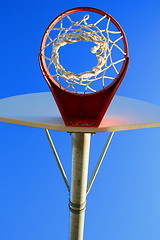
(57, 159)
(99, 162)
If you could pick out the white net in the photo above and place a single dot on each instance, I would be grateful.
(108, 49)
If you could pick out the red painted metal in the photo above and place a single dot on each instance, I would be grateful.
(83, 109)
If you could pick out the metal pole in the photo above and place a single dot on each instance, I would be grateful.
(77, 205)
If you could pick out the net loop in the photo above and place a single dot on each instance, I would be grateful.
(81, 30)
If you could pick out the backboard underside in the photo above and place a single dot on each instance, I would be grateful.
(40, 110)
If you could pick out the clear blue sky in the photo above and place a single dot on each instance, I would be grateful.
(124, 203)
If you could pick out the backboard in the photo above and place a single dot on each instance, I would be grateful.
(40, 110)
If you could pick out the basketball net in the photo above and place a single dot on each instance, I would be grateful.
(110, 50)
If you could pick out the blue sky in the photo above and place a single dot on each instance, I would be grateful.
(124, 202)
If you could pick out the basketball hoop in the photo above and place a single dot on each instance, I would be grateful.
(83, 98)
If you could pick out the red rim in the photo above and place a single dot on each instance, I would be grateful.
(83, 109)
(62, 15)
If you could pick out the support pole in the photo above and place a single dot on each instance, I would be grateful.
(77, 205)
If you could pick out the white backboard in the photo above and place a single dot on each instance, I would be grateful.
(40, 110)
